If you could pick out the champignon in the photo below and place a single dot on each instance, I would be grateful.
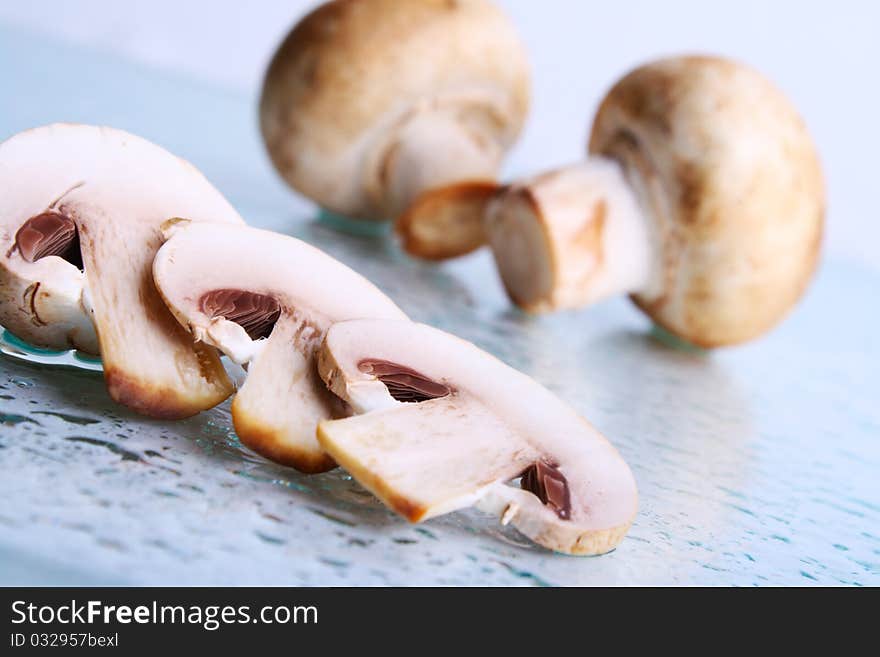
(704, 200)
(80, 210)
(265, 300)
(442, 425)
(398, 110)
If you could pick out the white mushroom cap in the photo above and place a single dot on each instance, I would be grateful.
(265, 300)
(100, 195)
(369, 106)
(730, 178)
(469, 425)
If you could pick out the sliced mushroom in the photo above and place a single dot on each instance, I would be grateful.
(398, 110)
(704, 200)
(442, 425)
(266, 300)
(80, 210)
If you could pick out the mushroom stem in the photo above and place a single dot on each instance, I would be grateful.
(433, 150)
(570, 237)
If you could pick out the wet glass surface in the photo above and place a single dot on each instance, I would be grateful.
(756, 465)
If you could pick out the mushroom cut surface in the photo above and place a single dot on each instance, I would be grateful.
(440, 425)
(388, 109)
(80, 211)
(266, 301)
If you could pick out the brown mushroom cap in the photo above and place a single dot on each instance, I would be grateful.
(353, 78)
(266, 300)
(725, 168)
(442, 425)
(80, 215)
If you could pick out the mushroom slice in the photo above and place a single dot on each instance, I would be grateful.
(442, 425)
(392, 110)
(266, 300)
(80, 210)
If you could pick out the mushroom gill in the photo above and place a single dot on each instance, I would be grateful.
(49, 233)
(255, 313)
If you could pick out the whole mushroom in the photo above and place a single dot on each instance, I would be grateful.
(384, 109)
(703, 199)
(440, 425)
(80, 211)
(266, 300)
